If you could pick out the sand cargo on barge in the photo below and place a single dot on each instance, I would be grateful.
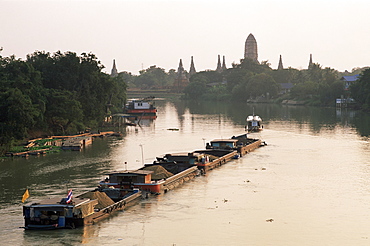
(87, 208)
(171, 170)
(152, 178)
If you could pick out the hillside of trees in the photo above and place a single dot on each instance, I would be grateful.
(60, 93)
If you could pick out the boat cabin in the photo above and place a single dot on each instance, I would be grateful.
(139, 105)
(188, 158)
(254, 123)
(127, 177)
(224, 143)
(56, 213)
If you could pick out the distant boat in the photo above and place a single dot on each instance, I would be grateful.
(141, 107)
(254, 123)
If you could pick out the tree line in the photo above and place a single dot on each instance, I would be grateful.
(60, 93)
(248, 80)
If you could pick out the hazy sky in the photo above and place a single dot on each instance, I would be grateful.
(139, 34)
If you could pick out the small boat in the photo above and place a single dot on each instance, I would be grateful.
(141, 107)
(254, 123)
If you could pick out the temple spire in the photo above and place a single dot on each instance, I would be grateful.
(224, 64)
(219, 68)
(181, 73)
(280, 67)
(192, 67)
(181, 80)
(114, 72)
(310, 62)
(250, 50)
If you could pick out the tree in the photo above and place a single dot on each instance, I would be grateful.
(305, 90)
(239, 92)
(235, 77)
(62, 110)
(196, 88)
(152, 77)
(360, 90)
(262, 84)
(17, 115)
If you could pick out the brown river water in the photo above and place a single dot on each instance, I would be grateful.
(309, 186)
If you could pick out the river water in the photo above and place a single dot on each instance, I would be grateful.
(309, 186)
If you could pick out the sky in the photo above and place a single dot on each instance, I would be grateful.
(139, 34)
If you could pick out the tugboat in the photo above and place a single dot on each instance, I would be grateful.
(254, 123)
(87, 208)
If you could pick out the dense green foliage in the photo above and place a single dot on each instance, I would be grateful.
(360, 90)
(151, 78)
(55, 94)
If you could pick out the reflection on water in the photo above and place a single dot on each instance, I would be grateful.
(312, 179)
(315, 117)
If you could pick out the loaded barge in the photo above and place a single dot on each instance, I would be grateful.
(171, 170)
(87, 208)
(125, 188)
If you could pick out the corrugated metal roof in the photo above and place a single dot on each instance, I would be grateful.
(350, 78)
(286, 85)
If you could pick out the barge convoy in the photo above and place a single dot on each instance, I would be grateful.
(122, 189)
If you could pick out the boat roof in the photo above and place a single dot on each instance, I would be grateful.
(224, 140)
(130, 172)
(55, 202)
(253, 117)
(183, 154)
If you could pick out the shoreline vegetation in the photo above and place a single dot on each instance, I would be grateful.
(55, 144)
(54, 94)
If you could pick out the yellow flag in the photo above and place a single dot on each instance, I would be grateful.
(25, 195)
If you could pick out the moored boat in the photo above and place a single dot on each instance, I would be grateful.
(141, 107)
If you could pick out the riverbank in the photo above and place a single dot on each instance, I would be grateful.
(54, 144)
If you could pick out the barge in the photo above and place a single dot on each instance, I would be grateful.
(152, 178)
(173, 169)
(125, 188)
(242, 144)
(87, 208)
